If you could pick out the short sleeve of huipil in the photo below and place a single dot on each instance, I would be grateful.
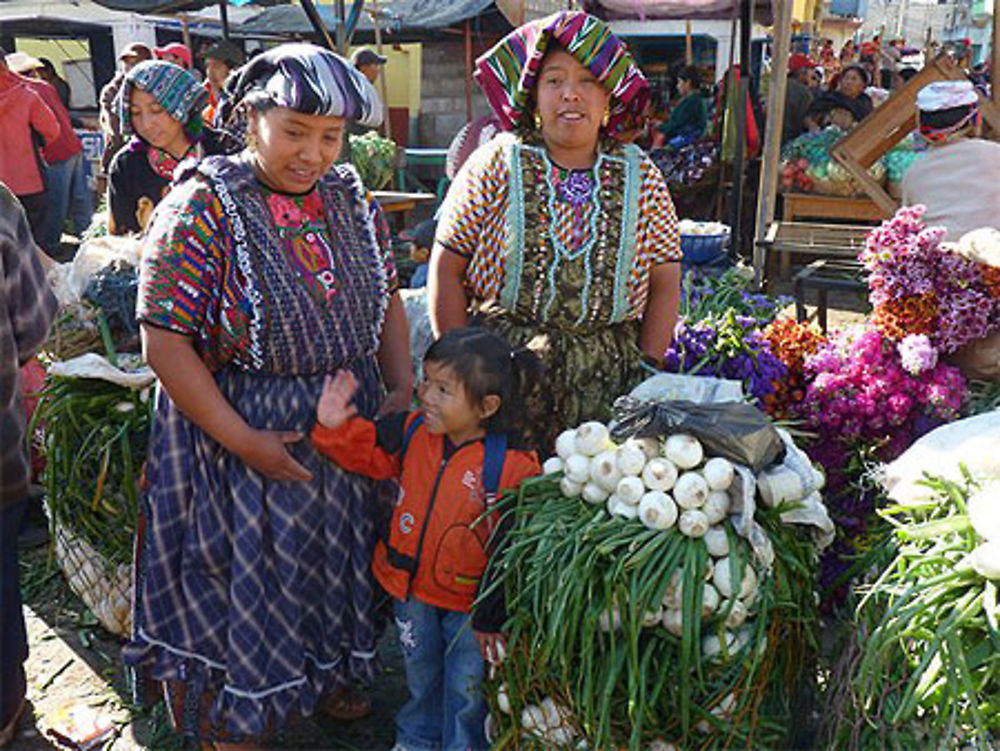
(657, 237)
(182, 259)
(383, 238)
(473, 214)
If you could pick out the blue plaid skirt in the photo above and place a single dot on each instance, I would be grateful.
(256, 597)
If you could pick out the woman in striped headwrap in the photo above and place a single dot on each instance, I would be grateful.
(159, 105)
(262, 272)
(560, 235)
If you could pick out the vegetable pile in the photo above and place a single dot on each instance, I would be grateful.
(639, 615)
(932, 653)
(374, 157)
(808, 166)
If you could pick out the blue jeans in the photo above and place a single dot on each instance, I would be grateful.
(444, 673)
(69, 194)
(13, 637)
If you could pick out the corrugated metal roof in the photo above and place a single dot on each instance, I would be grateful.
(398, 15)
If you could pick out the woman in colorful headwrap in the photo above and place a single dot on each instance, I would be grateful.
(159, 105)
(558, 235)
(263, 272)
(958, 179)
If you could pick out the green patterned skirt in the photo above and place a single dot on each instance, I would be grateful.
(585, 371)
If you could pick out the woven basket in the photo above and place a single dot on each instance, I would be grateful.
(104, 587)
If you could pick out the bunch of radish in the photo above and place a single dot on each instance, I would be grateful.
(663, 484)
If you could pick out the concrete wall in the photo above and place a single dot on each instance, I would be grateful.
(442, 93)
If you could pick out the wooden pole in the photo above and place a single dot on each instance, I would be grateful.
(468, 71)
(740, 154)
(688, 52)
(186, 33)
(317, 24)
(224, 18)
(770, 160)
(383, 88)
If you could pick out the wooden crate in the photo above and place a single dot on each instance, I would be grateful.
(785, 239)
(813, 206)
(891, 122)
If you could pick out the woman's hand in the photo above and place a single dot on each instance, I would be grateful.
(265, 452)
(493, 646)
(335, 407)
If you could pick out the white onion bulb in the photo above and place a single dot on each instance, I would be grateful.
(552, 465)
(657, 510)
(693, 523)
(630, 490)
(684, 450)
(566, 444)
(630, 458)
(592, 438)
(691, 490)
(718, 473)
(659, 474)
(716, 506)
(577, 468)
(604, 470)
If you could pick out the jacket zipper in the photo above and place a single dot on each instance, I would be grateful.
(430, 510)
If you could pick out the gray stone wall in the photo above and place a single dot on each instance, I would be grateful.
(442, 90)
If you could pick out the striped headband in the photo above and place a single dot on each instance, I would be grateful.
(174, 89)
(508, 72)
(307, 79)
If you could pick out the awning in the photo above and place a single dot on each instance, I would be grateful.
(396, 16)
(168, 6)
(645, 10)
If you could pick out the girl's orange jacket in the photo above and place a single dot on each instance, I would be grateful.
(434, 552)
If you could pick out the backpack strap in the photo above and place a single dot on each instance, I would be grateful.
(493, 460)
(408, 433)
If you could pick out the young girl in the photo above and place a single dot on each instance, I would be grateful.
(452, 456)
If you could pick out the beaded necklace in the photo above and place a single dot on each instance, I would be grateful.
(581, 191)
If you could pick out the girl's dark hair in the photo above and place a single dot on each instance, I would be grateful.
(948, 118)
(860, 70)
(691, 74)
(485, 364)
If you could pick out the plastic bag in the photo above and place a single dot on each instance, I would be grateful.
(131, 372)
(683, 387)
(736, 431)
(979, 360)
(971, 442)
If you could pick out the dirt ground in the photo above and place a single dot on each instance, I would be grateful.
(75, 674)
(76, 678)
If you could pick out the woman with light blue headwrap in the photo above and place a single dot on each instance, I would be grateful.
(263, 272)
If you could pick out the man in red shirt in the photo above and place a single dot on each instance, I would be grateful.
(24, 116)
(66, 182)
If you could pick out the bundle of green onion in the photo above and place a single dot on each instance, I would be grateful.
(95, 439)
(591, 659)
(930, 666)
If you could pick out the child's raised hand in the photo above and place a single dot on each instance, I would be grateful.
(335, 407)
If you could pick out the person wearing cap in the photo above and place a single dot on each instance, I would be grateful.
(129, 57)
(958, 180)
(262, 272)
(175, 53)
(221, 59)
(23, 114)
(798, 96)
(368, 61)
(159, 106)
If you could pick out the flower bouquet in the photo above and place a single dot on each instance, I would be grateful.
(791, 342)
(726, 346)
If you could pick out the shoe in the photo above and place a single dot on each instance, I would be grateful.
(7, 733)
(346, 703)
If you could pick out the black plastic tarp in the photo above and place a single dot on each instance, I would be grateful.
(396, 16)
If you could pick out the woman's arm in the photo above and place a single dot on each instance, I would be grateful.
(394, 358)
(446, 298)
(660, 314)
(191, 386)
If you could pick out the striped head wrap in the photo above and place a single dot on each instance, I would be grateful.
(508, 72)
(307, 79)
(176, 90)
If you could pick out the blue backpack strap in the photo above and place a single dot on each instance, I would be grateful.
(415, 423)
(493, 459)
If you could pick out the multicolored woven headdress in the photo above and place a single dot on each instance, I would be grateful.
(508, 72)
(176, 90)
(307, 79)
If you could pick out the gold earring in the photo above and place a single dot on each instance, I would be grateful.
(251, 141)
(606, 118)
(538, 121)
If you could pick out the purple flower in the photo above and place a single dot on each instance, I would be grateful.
(917, 354)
